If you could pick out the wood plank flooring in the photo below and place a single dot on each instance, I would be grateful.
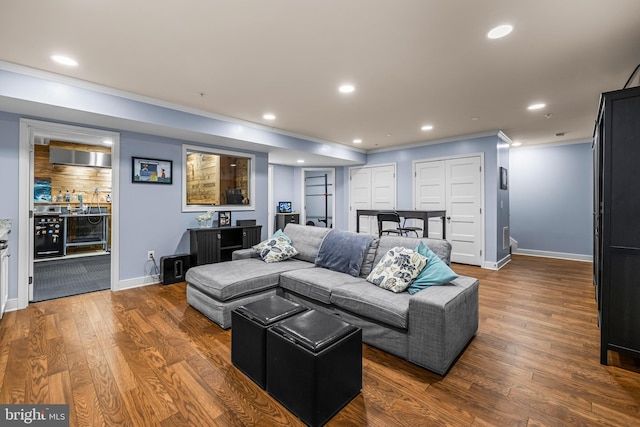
(144, 357)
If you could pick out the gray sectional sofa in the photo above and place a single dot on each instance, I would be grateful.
(430, 328)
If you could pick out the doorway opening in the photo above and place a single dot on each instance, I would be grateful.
(70, 177)
(319, 197)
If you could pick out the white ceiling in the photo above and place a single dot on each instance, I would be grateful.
(413, 62)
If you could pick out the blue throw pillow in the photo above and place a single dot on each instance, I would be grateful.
(281, 233)
(436, 272)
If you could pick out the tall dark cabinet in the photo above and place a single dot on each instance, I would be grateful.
(616, 154)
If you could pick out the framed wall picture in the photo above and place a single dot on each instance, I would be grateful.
(504, 183)
(224, 218)
(151, 171)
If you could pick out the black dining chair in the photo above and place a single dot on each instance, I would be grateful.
(389, 217)
(410, 229)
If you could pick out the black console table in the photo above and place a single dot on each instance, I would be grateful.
(215, 244)
(423, 215)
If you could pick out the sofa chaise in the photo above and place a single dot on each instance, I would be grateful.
(429, 328)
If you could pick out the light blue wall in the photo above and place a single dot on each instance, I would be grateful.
(551, 198)
(151, 216)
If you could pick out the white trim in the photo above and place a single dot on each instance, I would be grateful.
(29, 130)
(303, 211)
(271, 208)
(552, 144)
(498, 133)
(137, 282)
(557, 255)
(12, 305)
(504, 261)
(213, 150)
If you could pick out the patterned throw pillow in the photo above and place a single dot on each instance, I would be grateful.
(275, 249)
(397, 269)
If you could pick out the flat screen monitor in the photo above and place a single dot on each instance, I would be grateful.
(284, 207)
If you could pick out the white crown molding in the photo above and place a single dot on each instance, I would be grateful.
(497, 133)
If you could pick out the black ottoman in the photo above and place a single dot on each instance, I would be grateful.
(249, 324)
(315, 365)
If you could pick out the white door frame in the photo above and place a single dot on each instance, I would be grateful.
(29, 131)
(271, 209)
(303, 211)
(482, 195)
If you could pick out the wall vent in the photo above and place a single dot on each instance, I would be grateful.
(505, 238)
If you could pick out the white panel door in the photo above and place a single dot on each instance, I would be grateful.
(464, 216)
(383, 191)
(360, 194)
(371, 188)
(429, 193)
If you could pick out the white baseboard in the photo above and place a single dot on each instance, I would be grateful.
(497, 265)
(137, 282)
(12, 305)
(558, 255)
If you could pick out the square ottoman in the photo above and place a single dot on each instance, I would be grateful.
(314, 362)
(249, 324)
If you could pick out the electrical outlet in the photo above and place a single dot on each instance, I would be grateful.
(151, 255)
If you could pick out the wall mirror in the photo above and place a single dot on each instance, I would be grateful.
(214, 178)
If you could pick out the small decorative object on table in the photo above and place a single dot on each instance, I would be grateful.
(203, 220)
(224, 218)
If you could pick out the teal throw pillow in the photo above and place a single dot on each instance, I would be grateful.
(436, 272)
(281, 233)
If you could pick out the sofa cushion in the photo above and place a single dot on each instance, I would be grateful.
(436, 272)
(397, 269)
(306, 240)
(343, 251)
(231, 279)
(440, 247)
(314, 283)
(369, 256)
(275, 249)
(370, 301)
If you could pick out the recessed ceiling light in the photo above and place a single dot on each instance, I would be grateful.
(300, 161)
(269, 116)
(426, 127)
(539, 106)
(499, 31)
(474, 118)
(516, 144)
(357, 141)
(65, 60)
(347, 88)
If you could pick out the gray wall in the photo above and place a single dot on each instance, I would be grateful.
(552, 199)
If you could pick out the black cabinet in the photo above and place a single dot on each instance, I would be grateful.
(209, 245)
(283, 219)
(616, 154)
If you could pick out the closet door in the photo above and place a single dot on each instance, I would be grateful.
(371, 188)
(453, 185)
(429, 193)
(464, 215)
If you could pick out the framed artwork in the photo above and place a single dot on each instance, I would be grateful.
(504, 183)
(42, 190)
(151, 171)
(224, 218)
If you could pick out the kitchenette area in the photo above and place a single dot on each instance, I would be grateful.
(71, 219)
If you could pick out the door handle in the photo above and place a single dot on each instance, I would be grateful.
(448, 218)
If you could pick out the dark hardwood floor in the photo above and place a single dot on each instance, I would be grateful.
(144, 357)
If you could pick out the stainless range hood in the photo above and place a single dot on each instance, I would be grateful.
(61, 156)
